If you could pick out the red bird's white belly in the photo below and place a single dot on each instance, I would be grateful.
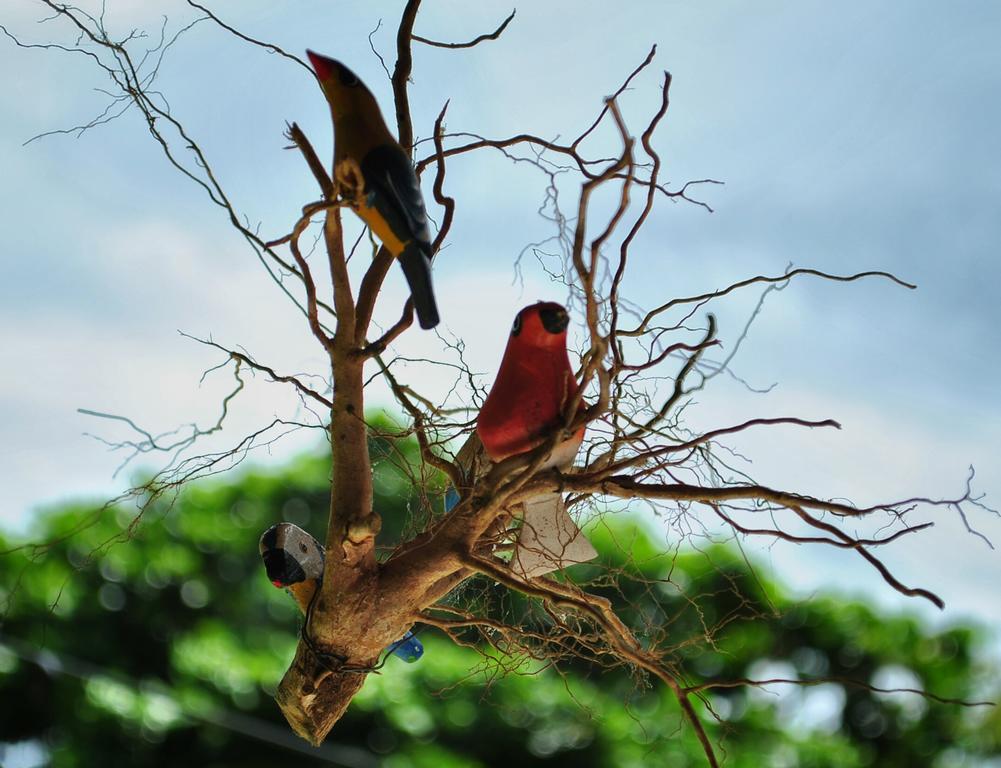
(564, 453)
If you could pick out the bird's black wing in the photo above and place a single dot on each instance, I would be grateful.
(393, 190)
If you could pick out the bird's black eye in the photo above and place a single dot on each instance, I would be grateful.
(302, 547)
(516, 328)
(554, 318)
(348, 77)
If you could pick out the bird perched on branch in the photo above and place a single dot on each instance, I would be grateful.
(374, 174)
(528, 401)
(293, 560)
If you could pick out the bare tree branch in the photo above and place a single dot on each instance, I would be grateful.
(246, 38)
(475, 41)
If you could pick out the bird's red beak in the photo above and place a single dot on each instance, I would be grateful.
(277, 583)
(323, 66)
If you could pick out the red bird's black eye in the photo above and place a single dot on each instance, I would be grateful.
(554, 318)
(516, 328)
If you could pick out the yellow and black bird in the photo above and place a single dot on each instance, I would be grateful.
(374, 173)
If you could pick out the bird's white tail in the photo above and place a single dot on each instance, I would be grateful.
(549, 539)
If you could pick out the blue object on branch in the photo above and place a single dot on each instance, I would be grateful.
(408, 648)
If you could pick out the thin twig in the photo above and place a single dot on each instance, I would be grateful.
(475, 41)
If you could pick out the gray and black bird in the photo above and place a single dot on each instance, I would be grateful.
(294, 561)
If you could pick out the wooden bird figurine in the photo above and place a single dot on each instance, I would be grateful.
(293, 560)
(374, 174)
(535, 384)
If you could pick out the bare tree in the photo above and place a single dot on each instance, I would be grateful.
(638, 369)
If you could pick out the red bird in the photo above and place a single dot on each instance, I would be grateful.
(535, 385)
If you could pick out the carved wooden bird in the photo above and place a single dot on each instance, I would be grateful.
(374, 173)
(293, 560)
(528, 401)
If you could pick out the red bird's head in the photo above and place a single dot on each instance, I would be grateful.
(540, 325)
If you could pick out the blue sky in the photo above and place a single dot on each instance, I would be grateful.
(850, 136)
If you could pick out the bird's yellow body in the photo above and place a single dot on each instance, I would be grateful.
(380, 228)
(302, 592)
(351, 186)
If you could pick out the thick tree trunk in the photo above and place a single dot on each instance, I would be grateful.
(343, 634)
(312, 698)
(343, 637)
(353, 523)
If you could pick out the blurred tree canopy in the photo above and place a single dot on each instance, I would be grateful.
(159, 642)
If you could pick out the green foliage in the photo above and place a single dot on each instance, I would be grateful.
(162, 647)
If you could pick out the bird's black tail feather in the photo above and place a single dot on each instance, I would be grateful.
(417, 269)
